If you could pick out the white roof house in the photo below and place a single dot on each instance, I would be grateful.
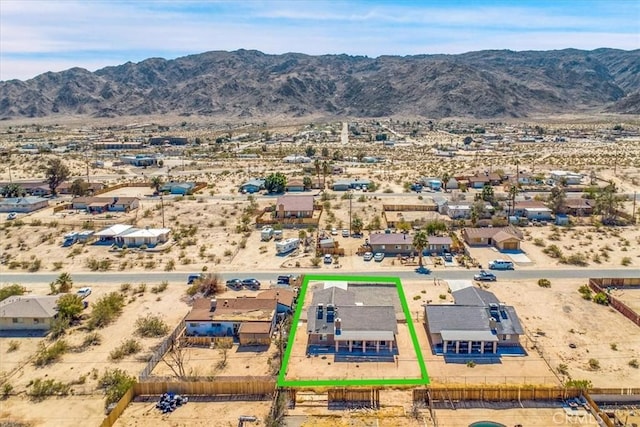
(143, 236)
(114, 230)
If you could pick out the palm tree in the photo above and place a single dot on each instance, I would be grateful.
(156, 183)
(63, 283)
(317, 165)
(420, 242)
(513, 192)
(326, 169)
(445, 180)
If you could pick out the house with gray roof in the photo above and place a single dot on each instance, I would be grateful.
(28, 313)
(477, 323)
(23, 204)
(338, 324)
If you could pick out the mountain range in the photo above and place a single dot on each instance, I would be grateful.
(250, 84)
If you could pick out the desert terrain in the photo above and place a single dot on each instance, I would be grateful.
(214, 231)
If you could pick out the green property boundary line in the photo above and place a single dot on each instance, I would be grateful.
(424, 377)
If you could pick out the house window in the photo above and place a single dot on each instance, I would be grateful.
(383, 343)
(323, 337)
(382, 247)
(16, 320)
(194, 325)
(507, 336)
(36, 321)
(398, 247)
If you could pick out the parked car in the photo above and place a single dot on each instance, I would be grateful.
(368, 256)
(485, 276)
(83, 292)
(12, 215)
(234, 283)
(251, 283)
(378, 257)
(448, 258)
(334, 231)
(193, 277)
(327, 259)
(285, 279)
(500, 264)
(345, 233)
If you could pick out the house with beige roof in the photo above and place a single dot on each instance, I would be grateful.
(32, 313)
(503, 238)
(249, 320)
(294, 207)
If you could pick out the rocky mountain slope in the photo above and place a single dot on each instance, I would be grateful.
(246, 84)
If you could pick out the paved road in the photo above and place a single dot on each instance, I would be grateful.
(452, 274)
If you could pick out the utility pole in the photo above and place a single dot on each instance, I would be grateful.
(350, 209)
(162, 208)
(634, 207)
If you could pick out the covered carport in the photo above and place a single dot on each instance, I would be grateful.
(469, 342)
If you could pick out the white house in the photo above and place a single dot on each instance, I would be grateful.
(134, 237)
(571, 178)
(459, 211)
(23, 204)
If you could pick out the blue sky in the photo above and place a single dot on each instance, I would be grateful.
(39, 36)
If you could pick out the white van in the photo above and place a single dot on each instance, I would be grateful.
(500, 264)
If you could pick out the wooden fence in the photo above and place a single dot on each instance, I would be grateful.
(354, 397)
(161, 350)
(597, 412)
(205, 341)
(409, 208)
(248, 388)
(492, 394)
(625, 310)
(122, 404)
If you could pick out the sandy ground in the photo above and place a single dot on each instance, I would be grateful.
(553, 317)
(530, 417)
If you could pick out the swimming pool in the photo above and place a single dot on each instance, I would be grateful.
(486, 424)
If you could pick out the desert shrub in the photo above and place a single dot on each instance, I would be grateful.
(208, 285)
(34, 265)
(601, 298)
(41, 389)
(634, 363)
(91, 339)
(127, 348)
(115, 383)
(544, 283)
(580, 384)
(58, 328)
(594, 364)
(625, 261)
(57, 265)
(539, 242)
(585, 291)
(13, 346)
(417, 297)
(7, 388)
(141, 289)
(553, 251)
(124, 288)
(11, 290)
(105, 310)
(151, 327)
(563, 369)
(471, 364)
(46, 356)
(613, 346)
(170, 265)
(576, 259)
(98, 265)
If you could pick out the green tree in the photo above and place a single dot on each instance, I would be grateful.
(420, 242)
(556, 199)
(326, 170)
(275, 183)
(435, 226)
(445, 180)
(513, 192)
(12, 190)
(477, 211)
(608, 203)
(487, 194)
(70, 306)
(62, 284)
(356, 225)
(317, 165)
(325, 152)
(156, 183)
(310, 151)
(56, 173)
(11, 290)
(79, 187)
(307, 182)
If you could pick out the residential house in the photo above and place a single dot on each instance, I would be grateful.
(296, 158)
(438, 245)
(92, 187)
(286, 299)
(336, 323)
(569, 178)
(288, 206)
(40, 190)
(135, 237)
(250, 320)
(23, 204)
(350, 184)
(181, 188)
(503, 238)
(140, 160)
(391, 243)
(459, 211)
(33, 312)
(252, 186)
(476, 324)
(105, 204)
(538, 214)
(168, 140)
(108, 235)
(577, 206)
(294, 185)
(117, 145)
(479, 181)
